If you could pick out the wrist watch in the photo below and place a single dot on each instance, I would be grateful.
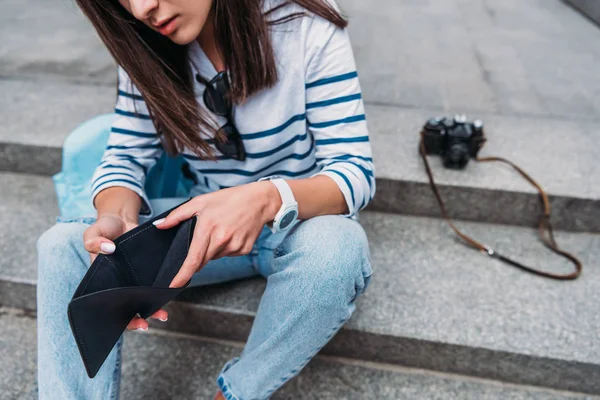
(288, 213)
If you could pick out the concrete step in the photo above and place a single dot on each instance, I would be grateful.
(538, 115)
(496, 61)
(39, 114)
(432, 304)
(51, 40)
(447, 55)
(143, 376)
(589, 8)
(38, 123)
(515, 58)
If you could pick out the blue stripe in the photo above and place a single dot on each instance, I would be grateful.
(130, 95)
(295, 174)
(251, 173)
(333, 79)
(107, 166)
(208, 141)
(133, 133)
(131, 159)
(347, 183)
(347, 120)
(112, 173)
(297, 138)
(263, 154)
(286, 173)
(346, 157)
(145, 146)
(120, 180)
(362, 204)
(358, 139)
(134, 158)
(368, 173)
(193, 157)
(131, 114)
(338, 100)
(295, 118)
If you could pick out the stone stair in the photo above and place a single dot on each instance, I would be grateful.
(433, 304)
(589, 8)
(547, 121)
(156, 374)
(439, 321)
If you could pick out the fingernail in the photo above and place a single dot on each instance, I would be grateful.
(141, 329)
(163, 320)
(158, 221)
(107, 247)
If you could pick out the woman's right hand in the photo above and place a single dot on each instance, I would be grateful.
(98, 239)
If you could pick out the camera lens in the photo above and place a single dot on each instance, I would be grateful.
(457, 156)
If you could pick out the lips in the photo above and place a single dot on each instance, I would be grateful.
(163, 22)
(166, 27)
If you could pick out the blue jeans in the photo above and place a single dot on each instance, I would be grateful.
(314, 273)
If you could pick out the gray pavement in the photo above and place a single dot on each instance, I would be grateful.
(589, 8)
(153, 362)
(41, 112)
(534, 57)
(513, 57)
(51, 38)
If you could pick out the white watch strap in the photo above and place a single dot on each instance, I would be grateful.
(287, 196)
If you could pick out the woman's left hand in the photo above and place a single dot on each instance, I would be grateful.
(228, 222)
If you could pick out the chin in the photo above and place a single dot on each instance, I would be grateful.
(184, 36)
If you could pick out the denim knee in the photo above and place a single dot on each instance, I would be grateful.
(336, 257)
(60, 248)
(59, 236)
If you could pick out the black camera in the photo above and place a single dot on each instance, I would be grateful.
(455, 139)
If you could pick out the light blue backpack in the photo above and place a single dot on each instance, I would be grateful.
(82, 152)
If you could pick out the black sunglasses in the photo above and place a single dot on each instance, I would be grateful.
(216, 99)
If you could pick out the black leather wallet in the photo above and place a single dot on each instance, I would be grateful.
(133, 280)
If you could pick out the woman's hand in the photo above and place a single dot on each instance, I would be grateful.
(228, 222)
(98, 239)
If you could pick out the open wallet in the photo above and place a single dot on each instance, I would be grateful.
(133, 280)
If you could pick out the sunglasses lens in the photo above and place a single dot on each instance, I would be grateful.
(233, 146)
(215, 95)
(215, 102)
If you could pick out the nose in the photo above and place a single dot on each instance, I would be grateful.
(141, 9)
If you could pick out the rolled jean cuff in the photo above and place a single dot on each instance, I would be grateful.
(224, 385)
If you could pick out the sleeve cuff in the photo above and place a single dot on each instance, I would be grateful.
(345, 188)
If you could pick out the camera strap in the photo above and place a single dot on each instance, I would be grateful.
(545, 227)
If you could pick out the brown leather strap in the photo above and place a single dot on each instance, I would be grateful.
(544, 224)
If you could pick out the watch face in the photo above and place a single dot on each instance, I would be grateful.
(288, 219)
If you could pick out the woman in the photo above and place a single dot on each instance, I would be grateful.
(263, 101)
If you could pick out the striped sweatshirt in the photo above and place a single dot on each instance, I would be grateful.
(312, 122)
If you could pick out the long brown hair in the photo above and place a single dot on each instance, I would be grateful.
(159, 69)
